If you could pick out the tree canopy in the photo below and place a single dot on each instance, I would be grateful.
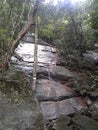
(73, 28)
(94, 19)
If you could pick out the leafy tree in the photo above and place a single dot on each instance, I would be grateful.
(67, 26)
(19, 29)
(51, 24)
(76, 28)
(94, 19)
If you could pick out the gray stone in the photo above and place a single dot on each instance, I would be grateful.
(52, 110)
(48, 90)
(56, 72)
(53, 50)
(49, 110)
(17, 116)
(72, 105)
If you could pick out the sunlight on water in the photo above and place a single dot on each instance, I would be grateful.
(26, 52)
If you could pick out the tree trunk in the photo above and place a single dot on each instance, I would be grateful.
(8, 55)
(35, 54)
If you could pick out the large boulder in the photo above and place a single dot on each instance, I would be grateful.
(79, 122)
(48, 90)
(52, 110)
(55, 72)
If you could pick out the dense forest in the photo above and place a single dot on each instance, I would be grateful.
(70, 27)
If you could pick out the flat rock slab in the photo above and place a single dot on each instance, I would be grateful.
(56, 72)
(51, 110)
(48, 90)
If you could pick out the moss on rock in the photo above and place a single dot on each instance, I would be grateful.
(81, 122)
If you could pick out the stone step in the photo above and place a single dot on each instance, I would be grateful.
(52, 110)
(48, 90)
(56, 72)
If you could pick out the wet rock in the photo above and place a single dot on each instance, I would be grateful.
(56, 72)
(52, 110)
(48, 90)
(14, 60)
(53, 50)
(50, 49)
(25, 56)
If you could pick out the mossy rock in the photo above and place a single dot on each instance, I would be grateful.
(16, 85)
(63, 122)
(81, 122)
(39, 123)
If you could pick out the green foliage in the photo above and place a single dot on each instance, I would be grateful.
(64, 22)
(46, 31)
(67, 23)
(94, 19)
(89, 86)
(12, 18)
(81, 87)
(51, 23)
(93, 82)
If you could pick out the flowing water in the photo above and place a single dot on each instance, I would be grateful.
(25, 52)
